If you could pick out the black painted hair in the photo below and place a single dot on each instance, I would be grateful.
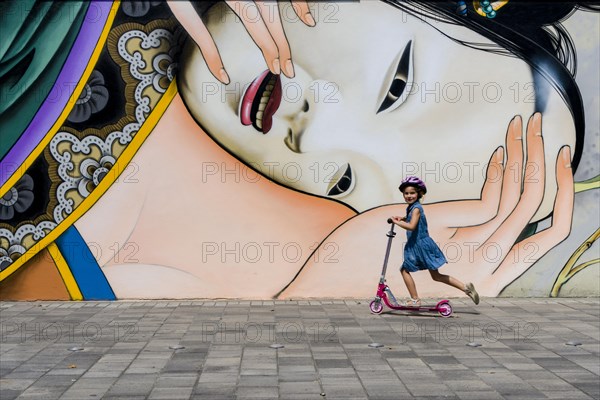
(531, 31)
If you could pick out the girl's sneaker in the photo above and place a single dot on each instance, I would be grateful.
(472, 293)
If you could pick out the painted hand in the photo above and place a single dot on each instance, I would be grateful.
(262, 21)
(479, 237)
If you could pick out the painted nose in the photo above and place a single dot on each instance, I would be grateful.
(297, 125)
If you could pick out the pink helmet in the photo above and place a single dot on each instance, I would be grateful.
(415, 182)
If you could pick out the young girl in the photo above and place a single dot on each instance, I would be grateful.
(420, 251)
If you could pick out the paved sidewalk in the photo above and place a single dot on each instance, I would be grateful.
(221, 350)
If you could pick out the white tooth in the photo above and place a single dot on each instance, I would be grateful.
(259, 123)
(269, 87)
(259, 115)
(262, 106)
(264, 100)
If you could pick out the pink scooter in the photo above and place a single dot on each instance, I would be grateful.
(384, 294)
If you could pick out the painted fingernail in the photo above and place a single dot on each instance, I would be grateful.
(537, 118)
(223, 76)
(500, 155)
(288, 68)
(566, 153)
(276, 66)
(515, 121)
(309, 19)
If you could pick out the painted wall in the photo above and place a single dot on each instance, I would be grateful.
(135, 165)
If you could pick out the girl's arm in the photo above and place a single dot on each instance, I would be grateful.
(409, 226)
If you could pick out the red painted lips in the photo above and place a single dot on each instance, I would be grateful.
(260, 101)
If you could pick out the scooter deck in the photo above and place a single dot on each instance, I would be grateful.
(443, 307)
(422, 308)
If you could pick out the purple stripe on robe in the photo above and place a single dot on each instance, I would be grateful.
(77, 60)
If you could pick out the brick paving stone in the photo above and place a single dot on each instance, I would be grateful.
(88, 388)
(339, 391)
(176, 380)
(427, 388)
(309, 388)
(257, 393)
(258, 380)
(571, 394)
(467, 385)
(15, 385)
(479, 395)
(9, 394)
(175, 393)
(41, 393)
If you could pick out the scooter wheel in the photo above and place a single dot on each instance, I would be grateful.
(376, 306)
(445, 310)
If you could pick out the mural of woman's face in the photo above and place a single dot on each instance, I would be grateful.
(378, 94)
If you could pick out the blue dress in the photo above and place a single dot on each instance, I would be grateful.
(420, 251)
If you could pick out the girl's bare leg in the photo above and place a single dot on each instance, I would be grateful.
(468, 289)
(410, 283)
(447, 279)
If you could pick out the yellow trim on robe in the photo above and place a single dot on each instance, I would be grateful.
(65, 272)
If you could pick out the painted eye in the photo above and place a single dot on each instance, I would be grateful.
(342, 182)
(399, 87)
